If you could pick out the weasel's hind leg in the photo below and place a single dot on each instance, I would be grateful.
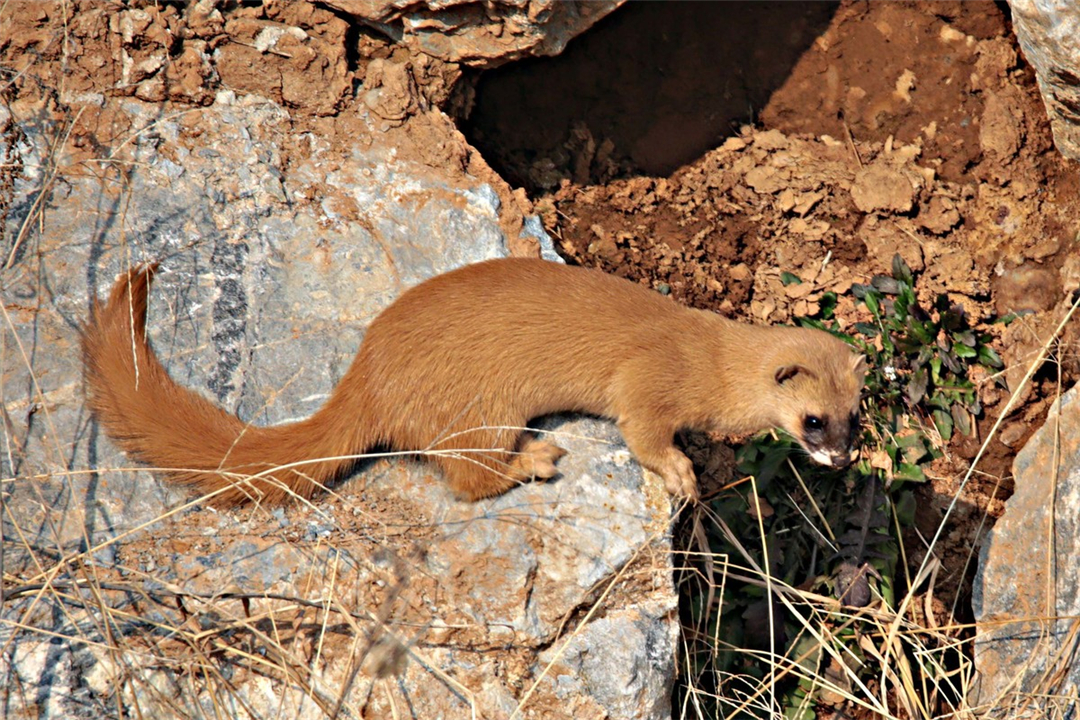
(476, 467)
(536, 459)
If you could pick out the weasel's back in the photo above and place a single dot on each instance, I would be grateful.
(548, 303)
(530, 327)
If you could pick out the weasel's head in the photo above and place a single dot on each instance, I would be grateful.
(818, 381)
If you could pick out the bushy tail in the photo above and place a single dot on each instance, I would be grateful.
(184, 435)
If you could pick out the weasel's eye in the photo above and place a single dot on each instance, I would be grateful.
(813, 422)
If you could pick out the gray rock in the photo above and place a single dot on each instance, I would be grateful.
(533, 228)
(1049, 34)
(1021, 652)
(605, 663)
(484, 34)
(271, 271)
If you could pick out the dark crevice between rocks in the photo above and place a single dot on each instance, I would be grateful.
(354, 33)
(650, 88)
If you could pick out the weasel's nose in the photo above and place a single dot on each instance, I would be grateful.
(833, 459)
(841, 461)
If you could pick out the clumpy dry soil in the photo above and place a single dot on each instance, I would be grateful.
(900, 127)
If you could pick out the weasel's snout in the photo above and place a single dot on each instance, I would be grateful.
(837, 460)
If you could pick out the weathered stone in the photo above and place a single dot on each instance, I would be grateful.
(1049, 35)
(1028, 576)
(483, 34)
(883, 186)
(606, 657)
(1030, 287)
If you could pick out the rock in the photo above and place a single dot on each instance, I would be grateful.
(1022, 583)
(1070, 273)
(1049, 35)
(1012, 433)
(1043, 248)
(1029, 287)
(278, 244)
(481, 34)
(1000, 129)
(883, 241)
(293, 66)
(1021, 343)
(620, 681)
(305, 55)
(939, 216)
(955, 268)
(883, 186)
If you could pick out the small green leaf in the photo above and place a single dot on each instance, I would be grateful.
(867, 329)
(943, 422)
(1009, 317)
(916, 451)
(924, 356)
(790, 279)
(989, 357)
(799, 705)
(902, 303)
(904, 503)
(955, 366)
(1004, 319)
(964, 351)
(909, 345)
(916, 387)
(921, 331)
(935, 370)
(937, 399)
(746, 456)
(967, 337)
(871, 300)
(901, 271)
(951, 320)
(885, 284)
(828, 305)
(859, 290)
(961, 418)
(910, 472)
(771, 458)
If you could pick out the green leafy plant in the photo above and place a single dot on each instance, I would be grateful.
(918, 370)
(836, 533)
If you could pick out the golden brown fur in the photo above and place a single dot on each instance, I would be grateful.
(458, 364)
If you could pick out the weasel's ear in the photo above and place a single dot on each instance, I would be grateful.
(786, 372)
(858, 364)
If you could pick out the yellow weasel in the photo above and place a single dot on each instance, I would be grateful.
(461, 362)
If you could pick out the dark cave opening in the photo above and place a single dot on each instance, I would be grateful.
(648, 89)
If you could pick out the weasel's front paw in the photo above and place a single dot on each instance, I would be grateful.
(678, 475)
